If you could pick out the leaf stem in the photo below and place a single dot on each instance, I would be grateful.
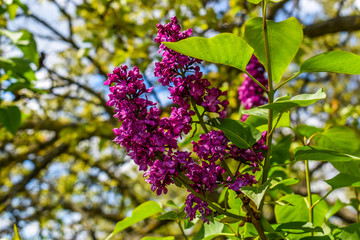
(277, 121)
(286, 81)
(270, 96)
(308, 187)
(202, 123)
(227, 169)
(325, 196)
(257, 82)
(182, 230)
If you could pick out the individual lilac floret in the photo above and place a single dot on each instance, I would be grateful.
(250, 94)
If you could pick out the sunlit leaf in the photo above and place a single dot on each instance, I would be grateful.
(224, 48)
(239, 133)
(351, 232)
(140, 213)
(336, 61)
(337, 138)
(284, 40)
(256, 194)
(343, 180)
(301, 100)
(297, 210)
(322, 154)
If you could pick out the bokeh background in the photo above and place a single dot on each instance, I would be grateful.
(61, 176)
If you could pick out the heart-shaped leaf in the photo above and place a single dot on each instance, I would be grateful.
(284, 39)
(224, 48)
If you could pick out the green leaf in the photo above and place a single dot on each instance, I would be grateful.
(351, 232)
(250, 230)
(254, 1)
(158, 238)
(316, 238)
(6, 61)
(13, 36)
(10, 118)
(257, 112)
(343, 180)
(256, 193)
(24, 40)
(301, 100)
(29, 50)
(213, 228)
(11, 9)
(298, 227)
(172, 215)
(16, 233)
(239, 133)
(296, 211)
(284, 39)
(235, 203)
(280, 151)
(334, 209)
(307, 131)
(336, 61)
(19, 68)
(322, 154)
(348, 167)
(278, 181)
(224, 48)
(217, 235)
(339, 138)
(140, 213)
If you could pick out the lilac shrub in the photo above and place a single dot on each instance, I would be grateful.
(151, 141)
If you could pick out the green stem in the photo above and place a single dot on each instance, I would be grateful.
(325, 196)
(256, 81)
(227, 169)
(308, 187)
(270, 97)
(277, 121)
(286, 81)
(182, 230)
(202, 123)
(213, 206)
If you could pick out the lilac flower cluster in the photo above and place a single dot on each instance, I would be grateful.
(250, 94)
(151, 141)
(182, 76)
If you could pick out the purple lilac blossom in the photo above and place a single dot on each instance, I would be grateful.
(250, 94)
(151, 141)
